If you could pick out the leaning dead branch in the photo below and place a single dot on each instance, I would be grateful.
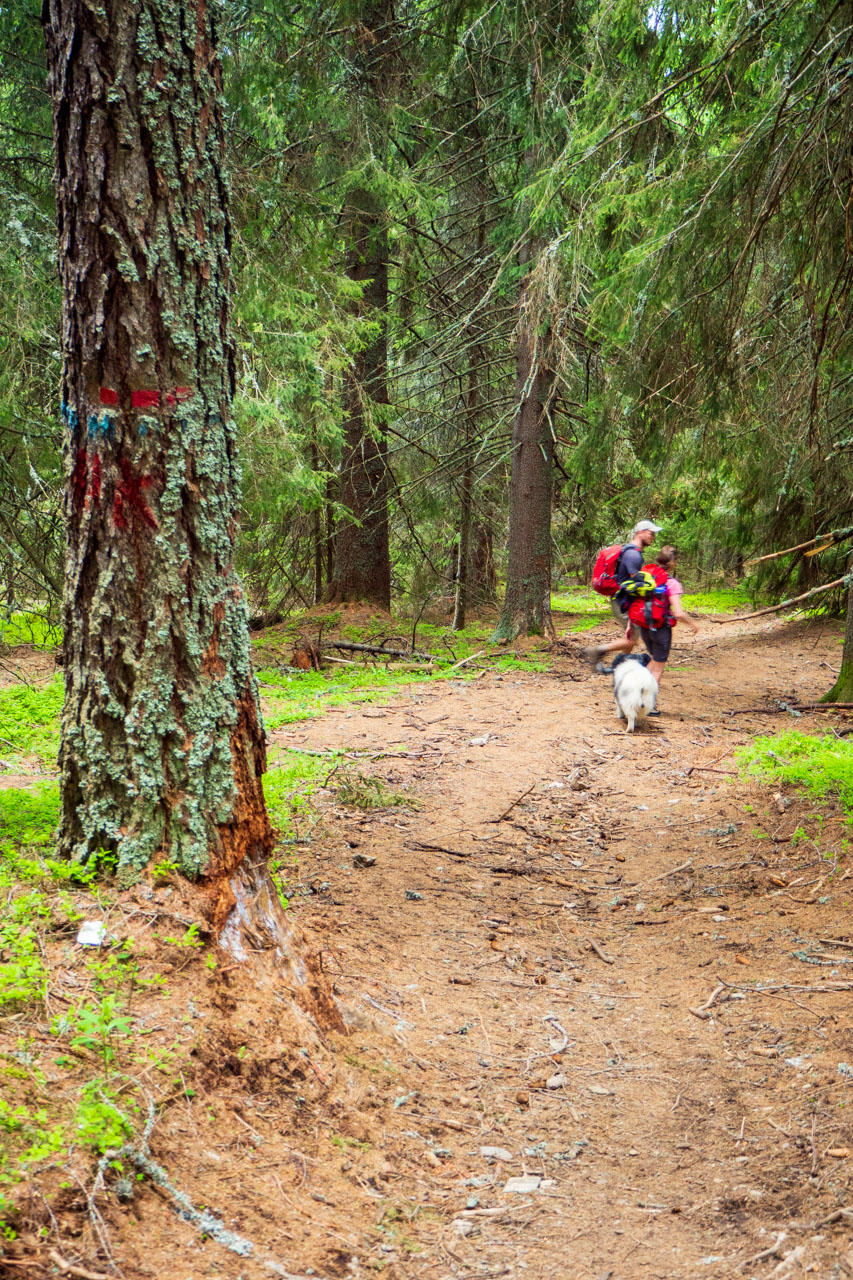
(825, 539)
(786, 604)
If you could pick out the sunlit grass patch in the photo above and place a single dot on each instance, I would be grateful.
(29, 628)
(28, 816)
(289, 783)
(29, 720)
(819, 766)
(581, 600)
(720, 600)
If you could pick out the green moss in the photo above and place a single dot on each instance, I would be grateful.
(818, 766)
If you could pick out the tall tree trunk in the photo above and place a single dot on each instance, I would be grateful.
(162, 749)
(527, 603)
(362, 556)
(482, 578)
(842, 690)
(466, 497)
(317, 531)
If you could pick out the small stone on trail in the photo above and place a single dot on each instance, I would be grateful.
(413, 896)
(479, 742)
(523, 1185)
(461, 982)
(556, 1082)
(496, 1153)
(463, 1227)
(523, 1098)
(363, 860)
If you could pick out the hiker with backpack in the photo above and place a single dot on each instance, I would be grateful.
(615, 566)
(655, 609)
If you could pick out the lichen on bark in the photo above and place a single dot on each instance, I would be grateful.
(162, 741)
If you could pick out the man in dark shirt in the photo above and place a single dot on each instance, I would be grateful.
(630, 562)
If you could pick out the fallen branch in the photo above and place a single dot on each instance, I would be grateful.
(789, 706)
(350, 646)
(701, 1010)
(602, 955)
(682, 866)
(436, 848)
(786, 604)
(506, 812)
(765, 1253)
(70, 1269)
(463, 661)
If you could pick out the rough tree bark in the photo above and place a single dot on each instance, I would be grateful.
(362, 555)
(842, 690)
(527, 602)
(162, 742)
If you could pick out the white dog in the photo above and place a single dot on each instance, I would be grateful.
(634, 688)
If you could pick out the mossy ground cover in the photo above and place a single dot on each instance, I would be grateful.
(21, 627)
(819, 766)
(29, 722)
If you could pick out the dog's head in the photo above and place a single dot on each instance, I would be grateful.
(643, 658)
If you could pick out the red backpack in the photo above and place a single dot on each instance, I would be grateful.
(650, 605)
(604, 570)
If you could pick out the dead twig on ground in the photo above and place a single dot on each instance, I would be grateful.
(702, 1010)
(71, 1268)
(765, 1253)
(508, 811)
(602, 955)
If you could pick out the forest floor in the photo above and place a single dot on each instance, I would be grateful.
(598, 990)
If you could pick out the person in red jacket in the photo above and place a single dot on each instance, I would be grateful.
(629, 563)
(655, 620)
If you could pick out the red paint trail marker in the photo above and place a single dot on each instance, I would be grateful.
(147, 399)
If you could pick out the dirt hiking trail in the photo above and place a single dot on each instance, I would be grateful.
(557, 1063)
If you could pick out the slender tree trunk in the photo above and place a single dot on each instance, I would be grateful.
(162, 749)
(482, 578)
(842, 690)
(466, 499)
(362, 556)
(527, 603)
(317, 533)
(329, 529)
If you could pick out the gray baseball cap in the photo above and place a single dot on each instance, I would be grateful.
(647, 524)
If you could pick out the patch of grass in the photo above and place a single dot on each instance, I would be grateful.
(29, 628)
(288, 786)
(581, 600)
(29, 720)
(720, 600)
(818, 766)
(301, 695)
(29, 816)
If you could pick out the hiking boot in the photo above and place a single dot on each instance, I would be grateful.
(592, 653)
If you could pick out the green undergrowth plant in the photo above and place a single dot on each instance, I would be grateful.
(289, 784)
(580, 600)
(21, 627)
(29, 721)
(361, 791)
(818, 766)
(719, 600)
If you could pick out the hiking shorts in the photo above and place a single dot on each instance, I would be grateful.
(658, 642)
